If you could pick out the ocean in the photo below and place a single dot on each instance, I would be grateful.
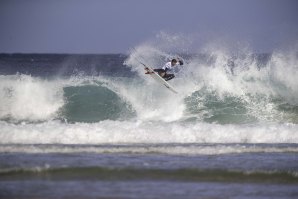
(96, 126)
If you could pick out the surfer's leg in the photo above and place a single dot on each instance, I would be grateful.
(168, 77)
(148, 71)
(161, 72)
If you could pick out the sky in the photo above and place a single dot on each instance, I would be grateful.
(115, 26)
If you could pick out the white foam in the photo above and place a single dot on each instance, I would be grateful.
(177, 149)
(256, 87)
(27, 98)
(283, 75)
(130, 132)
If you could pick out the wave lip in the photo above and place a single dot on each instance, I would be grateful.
(76, 99)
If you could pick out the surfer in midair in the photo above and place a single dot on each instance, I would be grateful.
(167, 67)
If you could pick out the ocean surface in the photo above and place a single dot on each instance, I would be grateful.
(95, 126)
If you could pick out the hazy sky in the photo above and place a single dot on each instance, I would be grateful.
(112, 26)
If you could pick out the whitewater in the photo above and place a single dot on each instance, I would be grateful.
(222, 99)
(75, 122)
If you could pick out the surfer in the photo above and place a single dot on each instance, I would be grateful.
(168, 66)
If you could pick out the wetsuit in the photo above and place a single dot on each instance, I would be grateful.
(163, 71)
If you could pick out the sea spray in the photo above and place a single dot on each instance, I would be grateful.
(29, 98)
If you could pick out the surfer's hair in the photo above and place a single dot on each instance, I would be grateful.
(174, 60)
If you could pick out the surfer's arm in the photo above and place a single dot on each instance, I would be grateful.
(180, 61)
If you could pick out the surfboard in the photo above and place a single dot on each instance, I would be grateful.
(158, 78)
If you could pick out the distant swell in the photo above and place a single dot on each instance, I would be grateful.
(195, 175)
(151, 148)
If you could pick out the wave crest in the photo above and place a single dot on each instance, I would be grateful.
(29, 98)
